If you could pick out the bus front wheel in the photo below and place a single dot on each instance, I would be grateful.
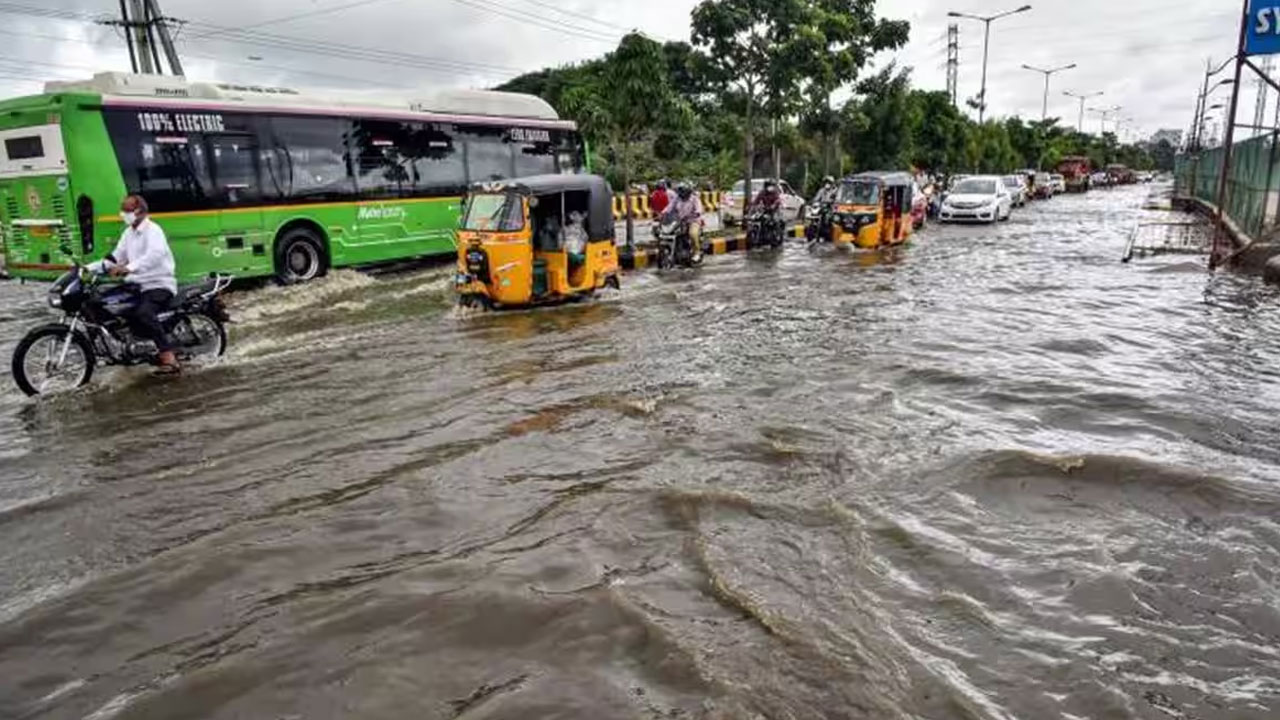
(299, 257)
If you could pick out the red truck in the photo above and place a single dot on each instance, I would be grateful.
(1076, 170)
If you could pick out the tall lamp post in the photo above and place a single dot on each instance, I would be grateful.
(986, 47)
(1044, 109)
(1083, 99)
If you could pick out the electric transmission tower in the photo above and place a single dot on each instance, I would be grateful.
(953, 61)
(146, 33)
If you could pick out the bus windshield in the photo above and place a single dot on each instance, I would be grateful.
(494, 212)
(860, 192)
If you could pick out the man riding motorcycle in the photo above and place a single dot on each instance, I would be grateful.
(818, 221)
(769, 203)
(827, 193)
(687, 208)
(143, 259)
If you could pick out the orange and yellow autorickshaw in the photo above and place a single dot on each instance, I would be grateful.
(535, 241)
(873, 210)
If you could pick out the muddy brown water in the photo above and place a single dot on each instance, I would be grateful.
(994, 475)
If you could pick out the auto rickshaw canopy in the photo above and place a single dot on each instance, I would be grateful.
(599, 197)
(901, 182)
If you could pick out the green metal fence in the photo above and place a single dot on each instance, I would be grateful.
(1251, 187)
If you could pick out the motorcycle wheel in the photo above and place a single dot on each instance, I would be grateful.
(199, 336)
(40, 367)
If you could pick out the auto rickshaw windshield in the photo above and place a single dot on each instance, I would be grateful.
(859, 192)
(494, 212)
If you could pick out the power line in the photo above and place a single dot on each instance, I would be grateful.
(353, 52)
(581, 16)
(331, 49)
(510, 13)
(297, 16)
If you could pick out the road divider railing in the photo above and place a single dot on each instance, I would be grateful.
(642, 210)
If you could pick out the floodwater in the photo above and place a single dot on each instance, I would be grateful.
(994, 475)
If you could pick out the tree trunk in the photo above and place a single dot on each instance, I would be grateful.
(626, 194)
(751, 150)
(777, 154)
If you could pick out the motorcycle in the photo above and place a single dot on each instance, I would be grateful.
(95, 330)
(818, 223)
(765, 229)
(675, 246)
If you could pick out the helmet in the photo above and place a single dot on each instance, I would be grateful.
(770, 186)
(684, 191)
(828, 180)
(663, 183)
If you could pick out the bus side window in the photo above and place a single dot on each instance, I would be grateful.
(169, 169)
(317, 167)
(439, 166)
(536, 158)
(235, 168)
(489, 155)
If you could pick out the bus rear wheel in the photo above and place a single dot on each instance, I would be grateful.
(299, 257)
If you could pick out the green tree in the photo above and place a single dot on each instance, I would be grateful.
(626, 105)
(940, 134)
(756, 52)
(881, 122)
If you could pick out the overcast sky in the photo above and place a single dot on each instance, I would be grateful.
(1146, 56)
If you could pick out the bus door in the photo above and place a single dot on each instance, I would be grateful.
(37, 216)
(233, 164)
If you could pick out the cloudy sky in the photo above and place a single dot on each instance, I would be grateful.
(1147, 57)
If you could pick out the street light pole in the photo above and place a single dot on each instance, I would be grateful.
(1082, 99)
(1044, 108)
(986, 48)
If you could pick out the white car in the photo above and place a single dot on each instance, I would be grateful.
(731, 204)
(1059, 184)
(981, 198)
(1019, 193)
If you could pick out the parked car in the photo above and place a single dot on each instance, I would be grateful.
(731, 205)
(1043, 188)
(1018, 190)
(1059, 183)
(982, 198)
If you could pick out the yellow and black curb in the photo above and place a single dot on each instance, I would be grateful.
(641, 210)
(646, 256)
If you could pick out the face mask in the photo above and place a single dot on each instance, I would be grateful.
(129, 218)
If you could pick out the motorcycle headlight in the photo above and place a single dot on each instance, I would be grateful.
(55, 300)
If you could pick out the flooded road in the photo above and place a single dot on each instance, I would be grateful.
(995, 475)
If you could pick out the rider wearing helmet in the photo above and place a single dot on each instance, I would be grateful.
(826, 193)
(769, 199)
(687, 208)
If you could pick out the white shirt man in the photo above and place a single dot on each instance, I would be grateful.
(143, 258)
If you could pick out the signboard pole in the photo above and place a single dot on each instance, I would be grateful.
(1216, 257)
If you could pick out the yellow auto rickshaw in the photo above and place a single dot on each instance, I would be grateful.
(873, 210)
(536, 240)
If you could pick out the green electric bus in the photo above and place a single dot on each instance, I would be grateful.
(258, 181)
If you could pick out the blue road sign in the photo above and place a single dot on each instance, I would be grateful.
(1263, 37)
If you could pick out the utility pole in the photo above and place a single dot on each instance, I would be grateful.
(1082, 99)
(986, 48)
(953, 61)
(1044, 109)
(146, 32)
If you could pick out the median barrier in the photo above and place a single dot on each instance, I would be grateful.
(646, 255)
(641, 210)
